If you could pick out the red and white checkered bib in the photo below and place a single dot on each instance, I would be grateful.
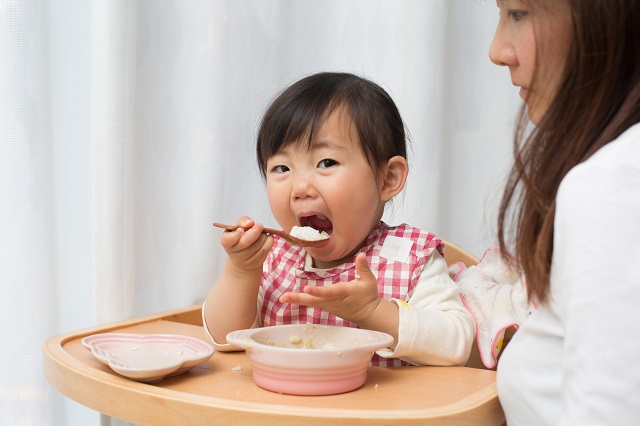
(284, 271)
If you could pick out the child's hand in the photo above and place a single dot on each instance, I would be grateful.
(247, 249)
(355, 301)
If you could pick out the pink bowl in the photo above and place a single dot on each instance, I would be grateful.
(308, 359)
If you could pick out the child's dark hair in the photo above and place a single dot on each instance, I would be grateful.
(299, 110)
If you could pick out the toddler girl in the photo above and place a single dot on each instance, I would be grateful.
(332, 149)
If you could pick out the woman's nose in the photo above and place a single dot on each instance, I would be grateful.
(501, 51)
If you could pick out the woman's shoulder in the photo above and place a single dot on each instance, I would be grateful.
(609, 179)
(623, 150)
(615, 165)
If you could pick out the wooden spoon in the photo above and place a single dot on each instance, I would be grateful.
(290, 238)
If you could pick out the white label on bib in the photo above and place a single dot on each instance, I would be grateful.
(396, 248)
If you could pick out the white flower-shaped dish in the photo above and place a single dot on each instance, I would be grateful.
(148, 358)
(308, 359)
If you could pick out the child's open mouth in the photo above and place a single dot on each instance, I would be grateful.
(318, 222)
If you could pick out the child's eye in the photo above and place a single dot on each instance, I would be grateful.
(280, 169)
(326, 163)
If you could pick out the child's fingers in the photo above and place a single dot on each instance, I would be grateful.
(298, 299)
(245, 222)
(241, 239)
(231, 238)
(362, 268)
(262, 247)
(333, 291)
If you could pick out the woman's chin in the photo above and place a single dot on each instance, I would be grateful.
(533, 117)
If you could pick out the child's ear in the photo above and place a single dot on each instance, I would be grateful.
(394, 177)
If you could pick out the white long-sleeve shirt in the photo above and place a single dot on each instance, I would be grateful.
(576, 360)
(434, 326)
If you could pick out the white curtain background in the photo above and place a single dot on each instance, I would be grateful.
(127, 127)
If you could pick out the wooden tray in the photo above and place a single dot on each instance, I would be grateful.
(222, 390)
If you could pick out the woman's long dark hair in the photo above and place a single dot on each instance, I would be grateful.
(598, 99)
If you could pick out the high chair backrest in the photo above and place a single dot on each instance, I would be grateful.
(454, 254)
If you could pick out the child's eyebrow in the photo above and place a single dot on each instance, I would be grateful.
(327, 144)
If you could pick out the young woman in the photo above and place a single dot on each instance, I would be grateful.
(572, 204)
(332, 148)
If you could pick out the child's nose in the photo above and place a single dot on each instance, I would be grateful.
(303, 186)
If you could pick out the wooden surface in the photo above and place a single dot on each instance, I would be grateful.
(454, 254)
(215, 392)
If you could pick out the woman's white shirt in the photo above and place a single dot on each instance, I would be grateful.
(576, 360)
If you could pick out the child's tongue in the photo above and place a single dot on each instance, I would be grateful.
(320, 223)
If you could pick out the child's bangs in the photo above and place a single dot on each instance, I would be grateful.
(304, 124)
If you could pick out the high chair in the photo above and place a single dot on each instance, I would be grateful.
(222, 391)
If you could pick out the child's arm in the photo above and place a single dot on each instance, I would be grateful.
(231, 303)
(435, 328)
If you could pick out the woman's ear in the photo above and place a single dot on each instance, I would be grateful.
(394, 177)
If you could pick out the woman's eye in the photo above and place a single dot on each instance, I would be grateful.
(326, 163)
(516, 15)
(280, 169)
